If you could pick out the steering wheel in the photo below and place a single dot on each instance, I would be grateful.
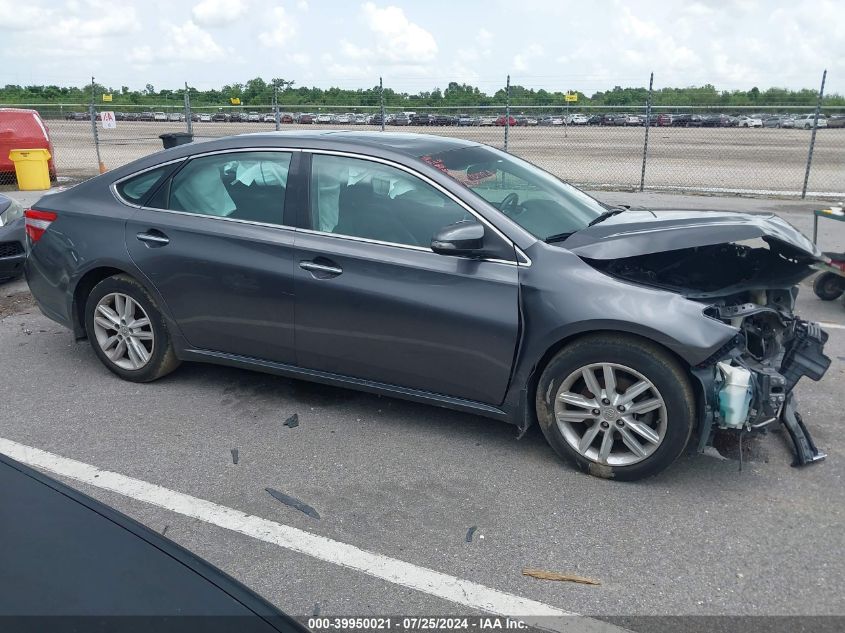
(510, 205)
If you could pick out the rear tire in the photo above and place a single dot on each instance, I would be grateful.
(829, 286)
(659, 416)
(127, 330)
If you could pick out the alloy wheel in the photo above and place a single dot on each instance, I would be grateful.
(124, 331)
(611, 414)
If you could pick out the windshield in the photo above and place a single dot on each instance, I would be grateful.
(539, 202)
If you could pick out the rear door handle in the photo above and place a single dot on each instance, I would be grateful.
(329, 269)
(153, 238)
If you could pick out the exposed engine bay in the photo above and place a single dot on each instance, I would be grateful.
(747, 384)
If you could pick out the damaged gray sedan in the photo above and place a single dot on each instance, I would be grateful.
(440, 271)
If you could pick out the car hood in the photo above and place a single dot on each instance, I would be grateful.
(637, 232)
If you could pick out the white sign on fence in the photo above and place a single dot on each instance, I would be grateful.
(109, 122)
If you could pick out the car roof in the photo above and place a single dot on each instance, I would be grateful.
(403, 142)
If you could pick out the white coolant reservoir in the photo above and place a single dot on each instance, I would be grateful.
(734, 395)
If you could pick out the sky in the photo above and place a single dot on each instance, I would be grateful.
(586, 45)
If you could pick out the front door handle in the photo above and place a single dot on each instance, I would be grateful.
(324, 270)
(153, 238)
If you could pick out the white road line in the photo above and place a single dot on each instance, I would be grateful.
(395, 571)
(832, 326)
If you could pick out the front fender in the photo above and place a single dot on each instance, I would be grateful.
(563, 297)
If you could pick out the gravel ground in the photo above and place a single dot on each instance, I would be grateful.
(408, 481)
(702, 159)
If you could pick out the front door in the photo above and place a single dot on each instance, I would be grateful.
(374, 302)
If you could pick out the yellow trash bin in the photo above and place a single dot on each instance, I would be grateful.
(31, 168)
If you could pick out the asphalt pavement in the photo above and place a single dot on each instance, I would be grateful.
(407, 482)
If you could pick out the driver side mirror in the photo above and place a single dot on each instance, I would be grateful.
(462, 239)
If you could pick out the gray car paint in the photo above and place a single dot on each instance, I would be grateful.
(11, 266)
(633, 233)
(460, 338)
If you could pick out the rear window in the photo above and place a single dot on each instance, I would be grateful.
(136, 188)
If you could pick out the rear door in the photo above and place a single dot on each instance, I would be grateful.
(215, 242)
(375, 303)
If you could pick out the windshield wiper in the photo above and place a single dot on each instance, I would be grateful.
(607, 214)
(557, 237)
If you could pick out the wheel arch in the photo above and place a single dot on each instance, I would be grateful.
(88, 280)
(529, 415)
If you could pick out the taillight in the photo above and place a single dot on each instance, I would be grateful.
(37, 222)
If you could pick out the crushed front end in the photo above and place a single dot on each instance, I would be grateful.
(774, 349)
(748, 384)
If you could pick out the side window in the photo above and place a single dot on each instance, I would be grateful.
(239, 185)
(136, 188)
(361, 198)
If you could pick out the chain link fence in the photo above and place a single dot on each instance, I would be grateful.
(706, 149)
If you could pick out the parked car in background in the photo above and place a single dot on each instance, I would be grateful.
(286, 117)
(748, 121)
(146, 116)
(661, 119)
(614, 118)
(577, 119)
(510, 121)
(176, 116)
(12, 238)
(23, 129)
(551, 120)
(633, 119)
(205, 117)
(836, 121)
(400, 118)
(687, 120)
(237, 117)
(253, 117)
(219, 117)
(594, 119)
(159, 116)
(270, 117)
(467, 120)
(343, 119)
(360, 119)
(531, 120)
(441, 119)
(131, 116)
(420, 118)
(323, 118)
(486, 121)
(375, 119)
(805, 121)
(77, 116)
(305, 118)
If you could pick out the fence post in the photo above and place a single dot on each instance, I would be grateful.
(276, 104)
(647, 125)
(813, 136)
(507, 110)
(189, 124)
(93, 116)
(381, 101)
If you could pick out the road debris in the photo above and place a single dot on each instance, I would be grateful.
(234, 456)
(316, 609)
(553, 575)
(470, 532)
(293, 502)
(293, 421)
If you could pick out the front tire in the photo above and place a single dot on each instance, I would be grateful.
(127, 330)
(616, 406)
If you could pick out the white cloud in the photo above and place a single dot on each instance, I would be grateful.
(302, 5)
(284, 28)
(218, 12)
(22, 17)
(397, 39)
(522, 61)
(179, 43)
